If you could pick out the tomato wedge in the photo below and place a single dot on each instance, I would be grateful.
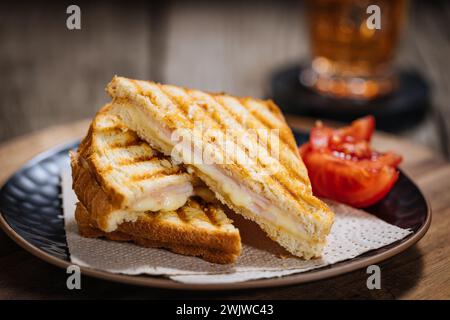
(360, 129)
(342, 165)
(358, 183)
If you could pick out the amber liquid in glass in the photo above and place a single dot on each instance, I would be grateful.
(350, 59)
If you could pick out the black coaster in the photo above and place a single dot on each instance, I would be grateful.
(402, 108)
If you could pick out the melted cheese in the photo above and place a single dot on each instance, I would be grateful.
(242, 196)
(120, 216)
(163, 202)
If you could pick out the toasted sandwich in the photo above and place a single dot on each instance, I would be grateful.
(196, 229)
(135, 177)
(130, 192)
(271, 188)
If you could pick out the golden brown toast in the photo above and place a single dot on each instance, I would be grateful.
(272, 188)
(113, 167)
(134, 176)
(196, 229)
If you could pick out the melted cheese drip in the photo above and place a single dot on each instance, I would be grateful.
(164, 201)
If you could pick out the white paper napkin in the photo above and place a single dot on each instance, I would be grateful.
(353, 233)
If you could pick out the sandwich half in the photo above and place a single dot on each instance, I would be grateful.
(196, 229)
(128, 191)
(135, 177)
(262, 178)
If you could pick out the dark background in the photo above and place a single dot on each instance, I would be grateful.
(51, 75)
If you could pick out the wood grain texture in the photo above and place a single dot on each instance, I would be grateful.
(232, 47)
(426, 48)
(51, 75)
(421, 272)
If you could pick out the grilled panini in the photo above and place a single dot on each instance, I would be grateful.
(271, 188)
(134, 176)
(130, 192)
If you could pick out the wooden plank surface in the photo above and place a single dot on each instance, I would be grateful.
(236, 47)
(51, 75)
(426, 48)
(421, 272)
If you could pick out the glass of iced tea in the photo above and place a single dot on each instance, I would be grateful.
(353, 49)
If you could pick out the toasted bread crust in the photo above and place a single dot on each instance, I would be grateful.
(303, 248)
(126, 233)
(89, 192)
(85, 151)
(95, 200)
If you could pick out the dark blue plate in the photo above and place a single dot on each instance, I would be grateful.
(31, 214)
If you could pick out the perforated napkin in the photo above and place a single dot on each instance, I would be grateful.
(353, 233)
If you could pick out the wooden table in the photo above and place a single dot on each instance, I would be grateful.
(421, 272)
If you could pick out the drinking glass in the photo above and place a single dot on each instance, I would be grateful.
(351, 57)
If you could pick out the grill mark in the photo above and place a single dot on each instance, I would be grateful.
(208, 115)
(106, 170)
(182, 215)
(239, 124)
(214, 118)
(209, 212)
(223, 126)
(199, 208)
(184, 105)
(137, 86)
(260, 118)
(284, 136)
(245, 149)
(142, 147)
(153, 99)
(273, 109)
(159, 173)
(114, 135)
(200, 211)
(134, 142)
(135, 160)
(304, 180)
(282, 159)
(280, 182)
(116, 130)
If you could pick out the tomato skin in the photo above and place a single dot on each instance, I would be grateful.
(351, 182)
(359, 132)
(342, 165)
(360, 129)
